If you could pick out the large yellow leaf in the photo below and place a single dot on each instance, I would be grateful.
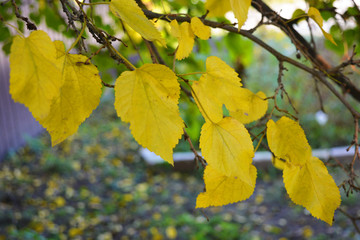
(313, 187)
(222, 189)
(35, 78)
(227, 146)
(185, 36)
(247, 106)
(79, 95)
(219, 85)
(240, 9)
(316, 16)
(217, 8)
(199, 29)
(129, 12)
(287, 141)
(147, 98)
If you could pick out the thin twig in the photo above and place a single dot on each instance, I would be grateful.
(352, 219)
(198, 158)
(30, 25)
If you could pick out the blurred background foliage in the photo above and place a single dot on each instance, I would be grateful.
(95, 184)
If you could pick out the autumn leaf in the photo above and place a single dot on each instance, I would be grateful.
(35, 78)
(222, 189)
(147, 98)
(218, 86)
(240, 9)
(316, 16)
(287, 141)
(200, 30)
(227, 146)
(185, 36)
(313, 187)
(247, 106)
(278, 163)
(129, 12)
(79, 95)
(217, 8)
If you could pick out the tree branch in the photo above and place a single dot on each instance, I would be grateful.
(319, 75)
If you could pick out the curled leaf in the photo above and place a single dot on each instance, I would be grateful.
(316, 16)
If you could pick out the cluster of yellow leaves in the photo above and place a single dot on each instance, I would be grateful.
(225, 143)
(147, 98)
(217, 8)
(186, 32)
(60, 89)
(306, 178)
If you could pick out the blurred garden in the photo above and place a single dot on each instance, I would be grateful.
(95, 186)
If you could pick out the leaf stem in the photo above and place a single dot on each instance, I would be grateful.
(187, 74)
(96, 3)
(16, 29)
(123, 58)
(198, 101)
(260, 140)
(77, 39)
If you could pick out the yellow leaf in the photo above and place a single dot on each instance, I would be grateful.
(279, 164)
(199, 29)
(287, 141)
(222, 189)
(227, 146)
(185, 36)
(240, 9)
(247, 106)
(328, 36)
(316, 16)
(217, 8)
(171, 232)
(210, 108)
(79, 95)
(73, 232)
(60, 201)
(313, 187)
(218, 86)
(147, 98)
(35, 78)
(298, 13)
(129, 12)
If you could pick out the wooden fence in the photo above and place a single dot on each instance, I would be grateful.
(16, 122)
